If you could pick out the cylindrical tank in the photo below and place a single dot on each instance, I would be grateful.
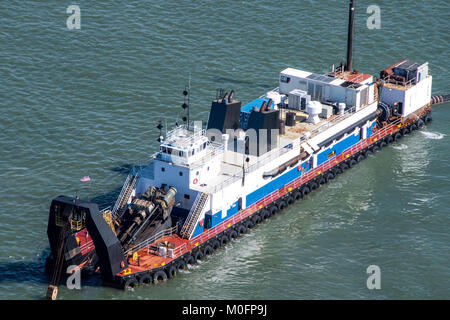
(282, 126)
(290, 119)
(341, 107)
(169, 197)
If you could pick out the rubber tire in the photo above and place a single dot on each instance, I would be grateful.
(181, 265)
(383, 144)
(241, 230)
(420, 123)
(233, 235)
(145, 280)
(368, 153)
(428, 119)
(413, 127)
(215, 244)
(198, 255)
(344, 166)
(171, 271)
(352, 163)
(322, 180)
(305, 190)
(265, 214)
(314, 185)
(190, 260)
(249, 224)
(360, 158)
(290, 200)
(130, 283)
(208, 250)
(404, 131)
(159, 275)
(388, 140)
(330, 176)
(273, 210)
(281, 205)
(397, 136)
(256, 219)
(375, 149)
(297, 195)
(224, 240)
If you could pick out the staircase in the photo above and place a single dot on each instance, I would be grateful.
(192, 218)
(127, 189)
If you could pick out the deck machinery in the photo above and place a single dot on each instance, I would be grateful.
(208, 184)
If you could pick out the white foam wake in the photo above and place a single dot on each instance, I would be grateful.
(400, 147)
(433, 135)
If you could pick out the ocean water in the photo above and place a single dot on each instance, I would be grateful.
(86, 102)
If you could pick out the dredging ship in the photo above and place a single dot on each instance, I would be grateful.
(209, 184)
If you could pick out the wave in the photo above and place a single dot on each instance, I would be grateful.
(433, 135)
(400, 147)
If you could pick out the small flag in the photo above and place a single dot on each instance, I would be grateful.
(85, 179)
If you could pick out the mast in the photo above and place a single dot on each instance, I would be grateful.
(351, 15)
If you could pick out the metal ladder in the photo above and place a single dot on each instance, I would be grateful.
(191, 221)
(120, 206)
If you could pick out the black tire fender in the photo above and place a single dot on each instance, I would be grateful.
(297, 195)
(215, 244)
(241, 230)
(171, 271)
(198, 255)
(249, 224)
(208, 250)
(224, 240)
(305, 190)
(181, 265)
(190, 259)
(351, 163)
(145, 279)
(233, 235)
(130, 283)
(360, 158)
(290, 200)
(256, 219)
(159, 276)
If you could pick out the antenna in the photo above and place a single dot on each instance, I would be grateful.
(160, 127)
(185, 105)
(351, 15)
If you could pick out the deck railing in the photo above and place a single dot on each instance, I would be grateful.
(209, 233)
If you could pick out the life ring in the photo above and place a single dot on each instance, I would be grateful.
(195, 181)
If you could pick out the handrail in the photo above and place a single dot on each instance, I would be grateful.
(152, 239)
(124, 188)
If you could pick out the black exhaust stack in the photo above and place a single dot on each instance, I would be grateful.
(351, 16)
